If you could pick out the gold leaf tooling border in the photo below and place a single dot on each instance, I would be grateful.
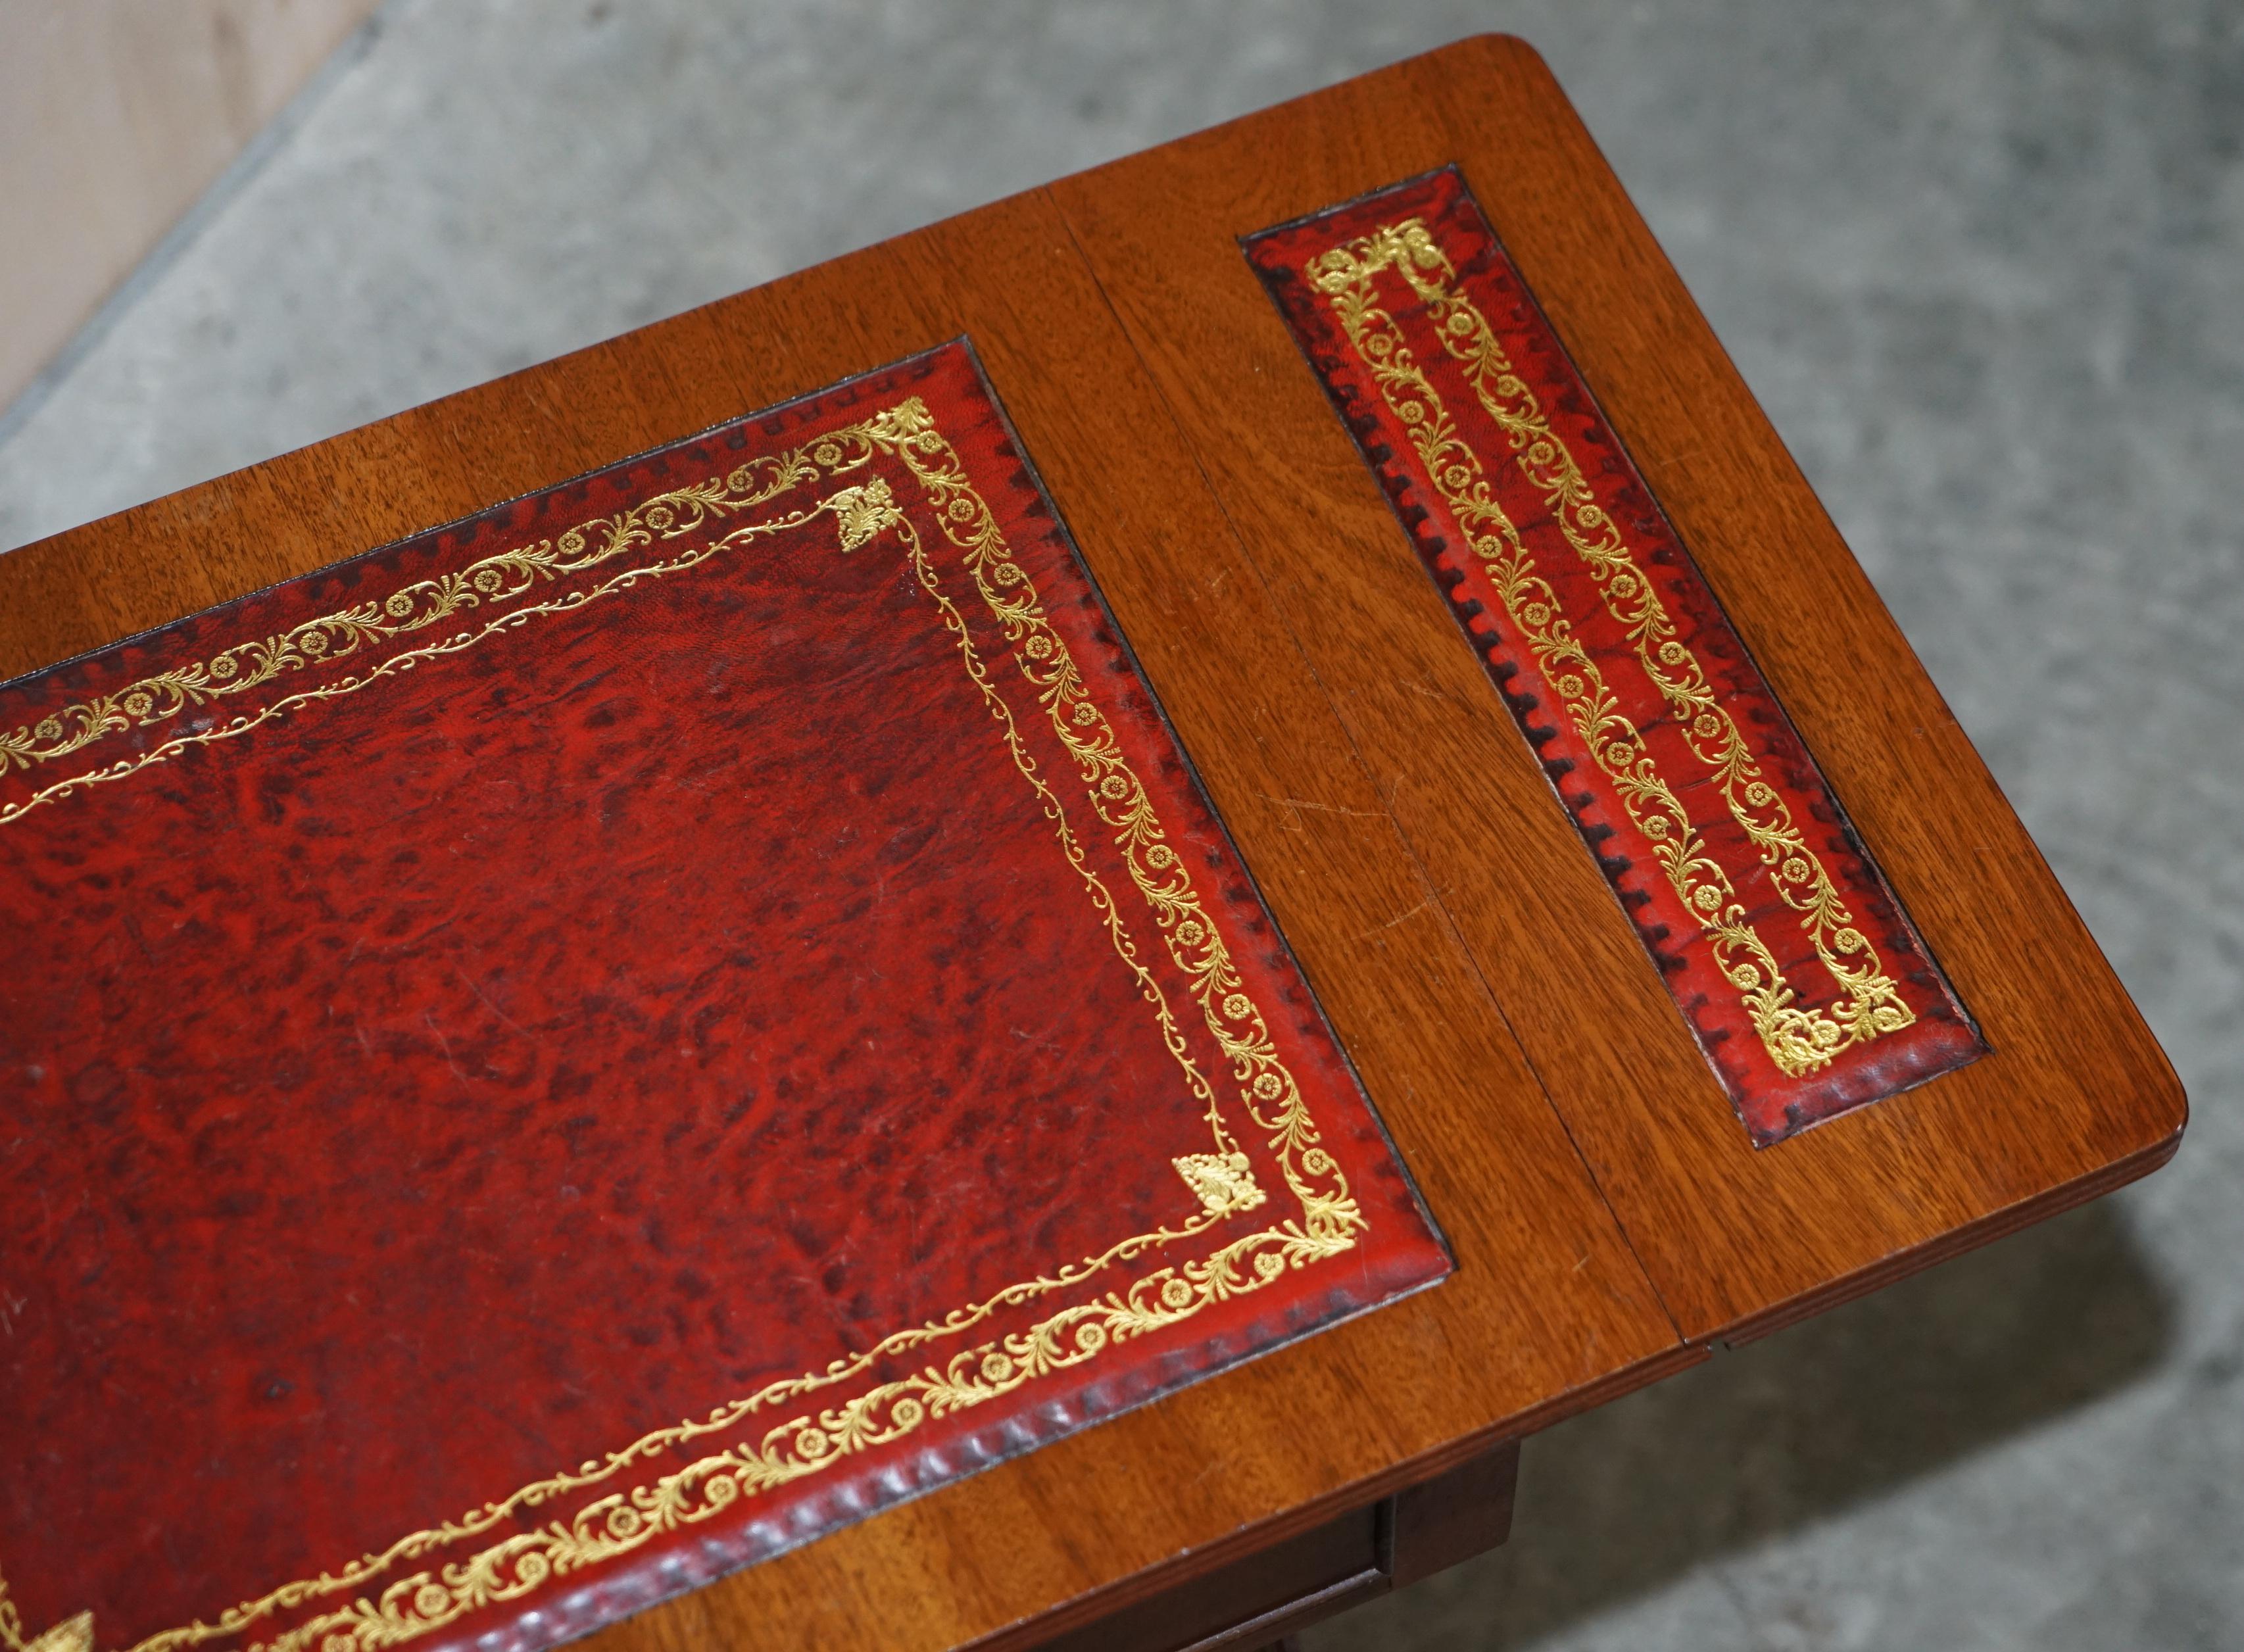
(810, 1440)
(1800, 1039)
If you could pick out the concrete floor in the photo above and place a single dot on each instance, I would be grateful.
(1981, 265)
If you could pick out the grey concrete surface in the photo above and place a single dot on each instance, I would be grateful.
(1983, 266)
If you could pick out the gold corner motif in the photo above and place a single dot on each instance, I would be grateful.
(864, 511)
(808, 1439)
(71, 1634)
(1799, 1039)
(1224, 1183)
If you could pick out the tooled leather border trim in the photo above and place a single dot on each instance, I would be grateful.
(517, 1567)
(1794, 965)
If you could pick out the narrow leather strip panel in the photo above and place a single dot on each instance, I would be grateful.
(1796, 968)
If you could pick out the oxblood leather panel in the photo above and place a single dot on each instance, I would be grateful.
(1797, 970)
(729, 938)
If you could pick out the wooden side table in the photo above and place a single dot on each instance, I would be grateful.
(1610, 1220)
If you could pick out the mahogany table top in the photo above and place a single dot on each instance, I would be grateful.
(1649, 1108)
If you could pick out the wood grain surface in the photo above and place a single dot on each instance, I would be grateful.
(1609, 1217)
(2076, 1095)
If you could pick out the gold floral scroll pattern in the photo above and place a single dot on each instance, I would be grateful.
(813, 1440)
(491, 585)
(1799, 1039)
(1272, 1098)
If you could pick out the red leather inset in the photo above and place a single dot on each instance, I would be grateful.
(552, 1059)
(1795, 968)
